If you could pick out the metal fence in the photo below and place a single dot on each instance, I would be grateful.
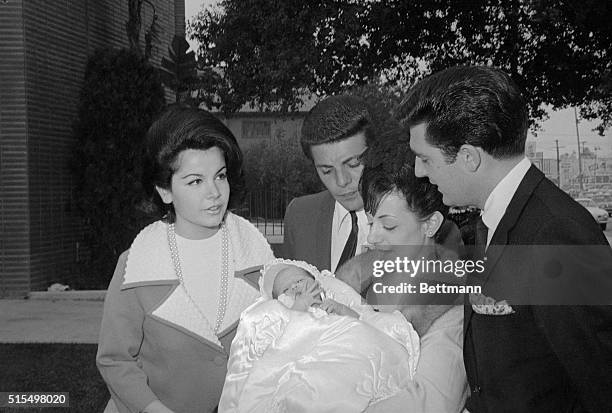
(266, 209)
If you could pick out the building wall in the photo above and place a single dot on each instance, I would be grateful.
(14, 207)
(289, 125)
(596, 172)
(52, 41)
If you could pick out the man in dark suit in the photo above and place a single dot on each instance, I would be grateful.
(328, 228)
(468, 127)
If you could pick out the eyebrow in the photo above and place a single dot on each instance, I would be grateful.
(200, 175)
(417, 153)
(347, 160)
(387, 216)
(414, 150)
(358, 156)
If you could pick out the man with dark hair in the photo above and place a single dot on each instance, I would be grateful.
(468, 127)
(328, 228)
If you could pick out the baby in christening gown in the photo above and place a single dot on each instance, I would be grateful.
(298, 351)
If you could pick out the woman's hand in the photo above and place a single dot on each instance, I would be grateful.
(334, 307)
(157, 407)
(308, 295)
(357, 272)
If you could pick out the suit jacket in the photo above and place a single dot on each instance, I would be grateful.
(540, 358)
(308, 229)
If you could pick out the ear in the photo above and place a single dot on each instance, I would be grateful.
(432, 224)
(165, 194)
(470, 157)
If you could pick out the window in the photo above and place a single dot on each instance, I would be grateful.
(256, 129)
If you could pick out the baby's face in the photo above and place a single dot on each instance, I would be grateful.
(291, 280)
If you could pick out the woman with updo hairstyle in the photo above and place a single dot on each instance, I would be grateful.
(418, 215)
(181, 128)
(408, 218)
(174, 301)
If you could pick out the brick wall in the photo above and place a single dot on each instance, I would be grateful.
(14, 217)
(47, 49)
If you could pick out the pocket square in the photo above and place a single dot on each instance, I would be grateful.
(482, 304)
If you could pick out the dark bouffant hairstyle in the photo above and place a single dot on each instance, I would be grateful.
(180, 128)
(388, 167)
(336, 118)
(476, 105)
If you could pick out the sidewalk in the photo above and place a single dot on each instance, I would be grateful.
(59, 317)
(45, 319)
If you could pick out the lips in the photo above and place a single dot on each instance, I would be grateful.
(379, 247)
(215, 209)
(348, 195)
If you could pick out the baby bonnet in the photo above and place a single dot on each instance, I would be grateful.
(272, 268)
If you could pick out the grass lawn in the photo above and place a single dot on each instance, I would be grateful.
(53, 368)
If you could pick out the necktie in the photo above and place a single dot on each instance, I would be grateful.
(481, 235)
(351, 243)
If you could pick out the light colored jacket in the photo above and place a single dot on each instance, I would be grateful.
(151, 346)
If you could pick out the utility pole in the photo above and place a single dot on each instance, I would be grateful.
(579, 156)
(558, 172)
(596, 166)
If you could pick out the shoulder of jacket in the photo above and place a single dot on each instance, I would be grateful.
(306, 201)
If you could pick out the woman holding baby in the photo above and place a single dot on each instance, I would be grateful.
(407, 211)
(290, 355)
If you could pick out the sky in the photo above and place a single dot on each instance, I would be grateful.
(560, 125)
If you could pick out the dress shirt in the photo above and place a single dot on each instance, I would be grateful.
(499, 199)
(341, 229)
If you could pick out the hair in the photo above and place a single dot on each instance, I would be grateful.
(334, 119)
(476, 105)
(389, 167)
(180, 128)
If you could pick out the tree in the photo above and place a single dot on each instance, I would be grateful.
(121, 96)
(279, 164)
(133, 26)
(591, 20)
(277, 171)
(383, 101)
(274, 52)
(264, 50)
(178, 70)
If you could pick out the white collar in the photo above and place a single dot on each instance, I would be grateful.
(340, 214)
(149, 263)
(149, 257)
(499, 199)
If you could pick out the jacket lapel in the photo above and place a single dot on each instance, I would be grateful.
(515, 208)
(324, 229)
(155, 294)
(500, 238)
(250, 275)
(177, 311)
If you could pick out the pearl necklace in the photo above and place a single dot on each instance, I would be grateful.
(222, 307)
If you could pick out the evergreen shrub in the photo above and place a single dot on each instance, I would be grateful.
(121, 96)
